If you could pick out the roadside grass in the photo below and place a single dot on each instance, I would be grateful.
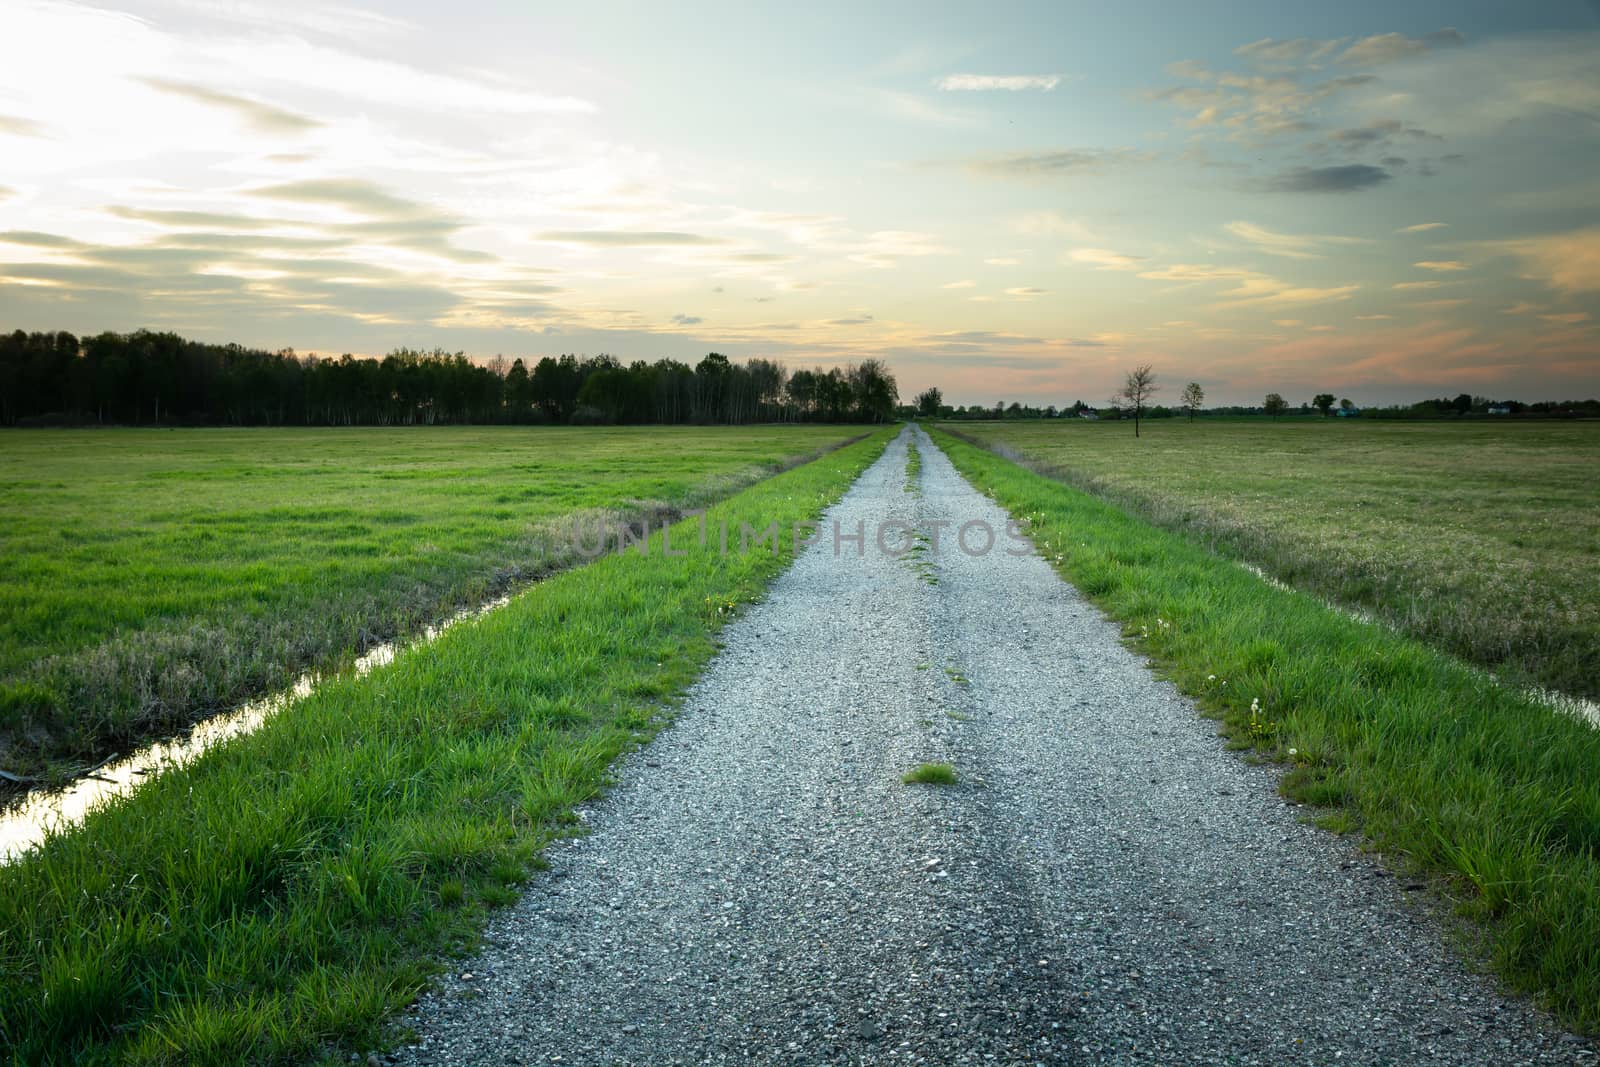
(277, 899)
(1441, 769)
(1481, 538)
(931, 774)
(913, 467)
(151, 577)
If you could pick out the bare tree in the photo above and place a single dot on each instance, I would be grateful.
(1137, 389)
(1193, 397)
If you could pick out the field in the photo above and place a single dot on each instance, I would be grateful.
(361, 834)
(150, 576)
(1482, 539)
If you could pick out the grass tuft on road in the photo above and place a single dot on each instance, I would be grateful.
(931, 774)
(1439, 767)
(275, 900)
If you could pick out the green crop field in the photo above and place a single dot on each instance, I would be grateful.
(150, 576)
(1480, 538)
(279, 897)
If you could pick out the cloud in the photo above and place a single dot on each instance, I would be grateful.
(1264, 291)
(1289, 245)
(34, 239)
(1051, 164)
(1568, 318)
(1374, 318)
(352, 194)
(1104, 259)
(1285, 54)
(1383, 48)
(1001, 261)
(1568, 262)
(988, 82)
(1193, 272)
(1443, 265)
(861, 320)
(1421, 227)
(1417, 285)
(1379, 133)
(1253, 288)
(1026, 291)
(1441, 305)
(1050, 224)
(331, 20)
(963, 284)
(982, 337)
(886, 248)
(6, 192)
(214, 219)
(687, 320)
(1521, 307)
(628, 238)
(17, 126)
(264, 118)
(1255, 107)
(1349, 178)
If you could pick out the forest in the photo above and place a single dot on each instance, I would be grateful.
(148, 378)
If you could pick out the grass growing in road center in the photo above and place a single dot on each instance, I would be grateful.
(275, 900)
(1436, 764)
(931, 774)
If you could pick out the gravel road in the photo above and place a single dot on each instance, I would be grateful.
(1105, 883)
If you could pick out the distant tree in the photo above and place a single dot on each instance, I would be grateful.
(1324, 403)
(1346, 405)
(873, 389)
(1275, 405)
(1193, 397)
(1137, 389)
(929, 401)
(519, 392)
(1462, 403)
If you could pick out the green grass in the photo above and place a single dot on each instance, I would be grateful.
(150, 576)
(931, 774)
(1441, 769)
(913, 467)
(275, 900)
(1481, 538)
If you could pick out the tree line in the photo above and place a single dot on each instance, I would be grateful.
(162, 378)
(1134, 400)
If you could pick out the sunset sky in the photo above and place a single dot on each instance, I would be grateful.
(1012, 201)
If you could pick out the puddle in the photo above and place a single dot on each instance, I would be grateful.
(51, 811)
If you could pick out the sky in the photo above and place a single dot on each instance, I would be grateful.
(1011, 201)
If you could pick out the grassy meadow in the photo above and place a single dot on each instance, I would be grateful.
(1481, 538)
(277, 899)
(148, 577)
(1478, 785)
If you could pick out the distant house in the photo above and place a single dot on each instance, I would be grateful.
(1087, 414)
(1348, 413)
(1499, 409)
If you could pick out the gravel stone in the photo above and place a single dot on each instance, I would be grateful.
(1105, 884)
